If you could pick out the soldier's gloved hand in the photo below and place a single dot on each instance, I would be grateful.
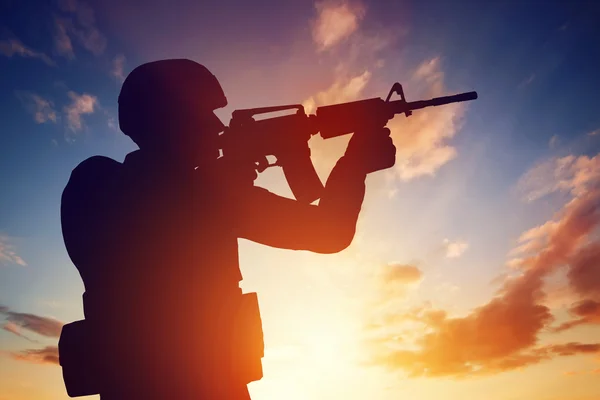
(371, 150)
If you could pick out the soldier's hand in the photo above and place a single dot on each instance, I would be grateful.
(371, 150)
(237, 173)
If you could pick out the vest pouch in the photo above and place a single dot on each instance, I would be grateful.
(248, 342)
(78, 359)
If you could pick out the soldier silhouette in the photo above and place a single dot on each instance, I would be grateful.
(155, 241)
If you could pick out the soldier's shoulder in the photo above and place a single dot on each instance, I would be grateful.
(94, 169)
(96, 165)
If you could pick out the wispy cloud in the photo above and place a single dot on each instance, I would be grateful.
(584, 312)
(455, 249)
(336, 20)
(422, 140)
(62, 41)
(565, 174)
(46, 355)
(112, 123)
(81, 104)
(527, 81)
(15, 329)
(43, 326)
(13, 47)
(80, 26)
(341, 91)
(8, 254)
(118, 65)
(42, 109)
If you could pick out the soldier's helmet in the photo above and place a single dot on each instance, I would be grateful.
(160, 96)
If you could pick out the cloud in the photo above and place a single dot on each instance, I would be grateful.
(534, 239)
(584, 274)
(13, 47)
(112, 123)
(503, 333)
(340, 92)
(422, 139)
(594, 132)
(568, 174)
(80, 105)
(403, 274)
(394, 282)
(118, 64)
(584, 278)
(13, 328)
(81, 26)
(553, 142)
(62, 41)
(455, 249)
(43, 326)
(336, 21)
(495, 338)
(8, 254)
(46, 355)
(573, 348)
(41, 108)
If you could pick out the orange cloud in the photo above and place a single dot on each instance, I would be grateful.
(46, 355)
(585, 311)
(584, 275)
(403, 274)
(336, 21)
(503, 333)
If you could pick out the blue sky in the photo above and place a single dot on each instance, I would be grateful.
(533, 64)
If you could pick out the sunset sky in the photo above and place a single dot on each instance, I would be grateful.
(475, 271)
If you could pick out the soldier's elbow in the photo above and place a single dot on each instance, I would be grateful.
(336, 242)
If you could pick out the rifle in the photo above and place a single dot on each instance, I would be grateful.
(250, 141)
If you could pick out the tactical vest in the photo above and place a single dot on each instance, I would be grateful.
(159, 261)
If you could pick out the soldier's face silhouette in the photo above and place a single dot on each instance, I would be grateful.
(185, 134)
(194, 142)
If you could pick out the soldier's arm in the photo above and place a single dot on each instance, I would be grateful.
(328, 227)
(84, 210)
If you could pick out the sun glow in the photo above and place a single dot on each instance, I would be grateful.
(321, 356)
